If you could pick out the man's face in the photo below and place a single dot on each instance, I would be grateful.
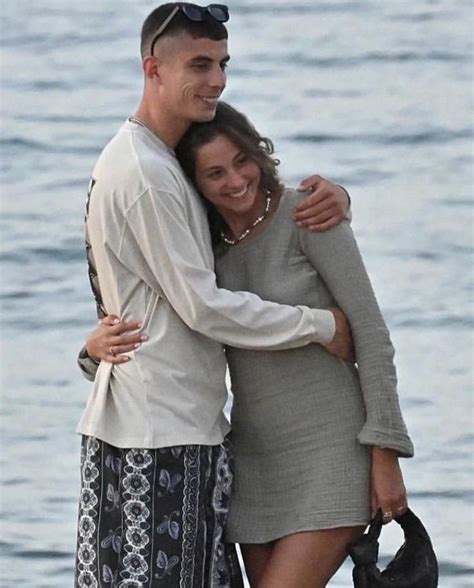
(192, 77)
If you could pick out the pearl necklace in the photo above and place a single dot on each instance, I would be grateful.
(247, 231)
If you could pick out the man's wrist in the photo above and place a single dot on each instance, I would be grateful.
(324, 326)
(347, 194)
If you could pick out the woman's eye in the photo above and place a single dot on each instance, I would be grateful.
(242, 160)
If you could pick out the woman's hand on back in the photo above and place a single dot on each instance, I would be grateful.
(113, 338)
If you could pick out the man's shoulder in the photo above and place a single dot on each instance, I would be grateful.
(135, 164)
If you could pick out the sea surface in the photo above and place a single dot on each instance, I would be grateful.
(377, 96)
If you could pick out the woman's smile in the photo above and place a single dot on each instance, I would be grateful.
(230, 180)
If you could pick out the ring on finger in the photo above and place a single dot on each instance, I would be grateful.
(401, 509)
(387, 514)
(112, 350)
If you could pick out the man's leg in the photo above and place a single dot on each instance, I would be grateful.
(155, 517)
(99, 530)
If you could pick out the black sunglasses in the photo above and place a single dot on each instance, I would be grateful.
(219, 12)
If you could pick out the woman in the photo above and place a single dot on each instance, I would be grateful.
(316, 439)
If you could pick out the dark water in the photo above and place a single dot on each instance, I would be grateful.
(375, 95)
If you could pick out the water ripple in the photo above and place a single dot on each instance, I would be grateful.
(387, 138)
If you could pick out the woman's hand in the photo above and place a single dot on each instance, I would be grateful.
(325, 207)
(388, 489)
(108, 341)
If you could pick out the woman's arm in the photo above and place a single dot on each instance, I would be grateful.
(336, 257)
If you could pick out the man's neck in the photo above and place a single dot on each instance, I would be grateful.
(168, 130)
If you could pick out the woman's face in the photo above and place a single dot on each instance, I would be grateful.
(228, 178)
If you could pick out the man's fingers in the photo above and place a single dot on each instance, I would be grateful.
(319, 207)
(323, 226)
(310, 182)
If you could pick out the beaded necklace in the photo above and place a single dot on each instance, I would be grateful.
(247, 231)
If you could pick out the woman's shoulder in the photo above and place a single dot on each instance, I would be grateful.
(291, 197)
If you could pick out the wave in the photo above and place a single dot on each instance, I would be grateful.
(387, 138)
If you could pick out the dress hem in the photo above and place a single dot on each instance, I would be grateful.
(279, 534)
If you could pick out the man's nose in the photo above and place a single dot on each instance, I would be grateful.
(218, 78)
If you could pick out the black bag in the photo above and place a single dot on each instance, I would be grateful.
(414, 565)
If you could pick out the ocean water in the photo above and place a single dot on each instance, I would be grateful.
(377, 96)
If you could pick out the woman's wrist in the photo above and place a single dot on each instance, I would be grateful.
(384, 454)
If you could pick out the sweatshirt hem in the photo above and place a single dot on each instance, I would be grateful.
(155, 442)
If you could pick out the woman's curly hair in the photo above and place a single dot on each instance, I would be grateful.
(237, 128)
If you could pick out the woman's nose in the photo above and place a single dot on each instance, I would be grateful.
(235, 180)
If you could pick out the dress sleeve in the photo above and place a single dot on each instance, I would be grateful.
(87, 365)
(336, 257)
(161, 248)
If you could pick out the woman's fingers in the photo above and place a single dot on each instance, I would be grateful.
(116, 359)
(109, 320)
(134, 340)
(117, 328)
(109, 341)
(124, 344)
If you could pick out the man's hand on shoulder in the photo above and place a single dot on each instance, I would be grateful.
(325, 207)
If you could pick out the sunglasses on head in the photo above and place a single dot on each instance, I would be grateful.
(219, 12)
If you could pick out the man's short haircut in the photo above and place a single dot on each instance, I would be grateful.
(209, 28)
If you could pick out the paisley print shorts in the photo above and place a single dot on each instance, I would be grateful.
(155, 517)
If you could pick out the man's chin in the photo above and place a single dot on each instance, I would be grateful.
(205, 113)
(205, 116)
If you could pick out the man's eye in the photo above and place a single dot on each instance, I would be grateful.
(200, 66)
(224, 66)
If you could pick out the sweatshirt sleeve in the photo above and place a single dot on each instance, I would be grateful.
(158, 244)
(335, 255)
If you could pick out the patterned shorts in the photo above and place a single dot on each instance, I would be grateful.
(155, 517)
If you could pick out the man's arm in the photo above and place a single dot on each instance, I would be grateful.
(325, 207)
(159, 246)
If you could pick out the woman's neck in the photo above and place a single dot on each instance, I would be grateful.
(237, 224)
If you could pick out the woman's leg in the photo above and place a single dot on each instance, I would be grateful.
(308, 559)
(256, 557)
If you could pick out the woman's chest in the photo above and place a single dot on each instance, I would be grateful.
(275, 270)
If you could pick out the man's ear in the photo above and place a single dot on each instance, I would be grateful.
(151, 67)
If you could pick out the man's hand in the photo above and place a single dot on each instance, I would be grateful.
(325, 207)
(341, 344)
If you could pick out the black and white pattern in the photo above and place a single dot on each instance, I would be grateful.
(155, 517)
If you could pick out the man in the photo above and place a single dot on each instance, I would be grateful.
(155, 469)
